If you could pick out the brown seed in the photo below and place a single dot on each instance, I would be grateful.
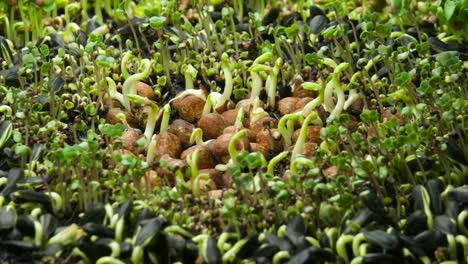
(309, 149)
(111, 117)
(167, 144)
(215, 175)
(313, 134)
(298, 90)
(302, 103)
(287, 105)
(212, 125)
(183, 130)
(226, 180)
(264, 149)
(205, 160)
(144, 89)
(141, 115)
(262, 124)
(391, 112)
(166, 173)
(269, 138)
(190, 107)
(205, 185)
(230, 116)
(220, 148)
(129, 137)
(247, 104)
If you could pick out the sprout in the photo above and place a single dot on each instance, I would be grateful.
(68, 236)
(114, 94)
(215, 99)
(334, 86)
(230, 255)
(123, 66)
(228, 81)
(302, 136)
(272, 81)
(353, 95)
(197, 136)
(232, 143)
(287, 132)
(152, 116)
(309, 107)
(280, 256)
(257, 111)
(190, 73)
(275, 160)
(341, 246)
(129, 87)
(256, 67)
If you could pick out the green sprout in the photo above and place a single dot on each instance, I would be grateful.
(129, 87)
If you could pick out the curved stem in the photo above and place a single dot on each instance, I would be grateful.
(352, 97)
(272, 81)
(280, 256)
(197, 136)
(303, 135)
(230, 255)
(175, 229)
(129, 87)
(152, 116)
(223, 238)
(114, 94)
(232, 143)
(341, 246)
(228, 81)
(339, 104)
(358, 239)
(305, 162)
(123, 67)
(275, 160)
(461, 222)
(285, 133)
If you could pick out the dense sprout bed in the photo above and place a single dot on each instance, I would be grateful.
(233, 131)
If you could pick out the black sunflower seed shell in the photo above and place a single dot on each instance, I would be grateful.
(213, 255)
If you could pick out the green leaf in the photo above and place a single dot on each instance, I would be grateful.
(44, 50)
(369, 117)
(293, 31)
(29, 59)
(175, 17)
(312, 58)
(104, 61)
(403, 79)
(449, 9)
(90, 110)
(113, 130)
(424, 88)
(157, 21)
